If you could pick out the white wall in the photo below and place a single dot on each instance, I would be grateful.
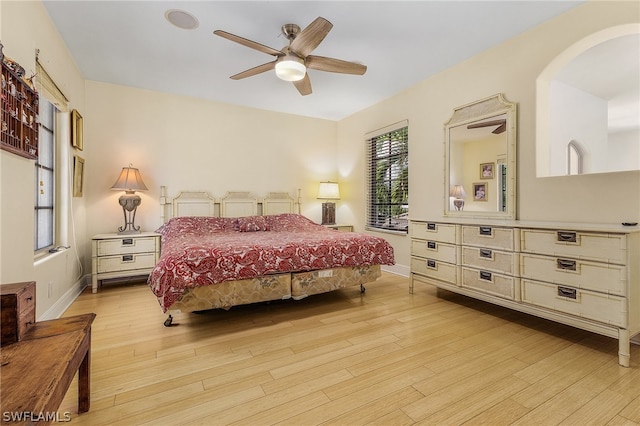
(580, 116)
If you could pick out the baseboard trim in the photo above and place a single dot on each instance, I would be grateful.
(401, 270)
(62, 304)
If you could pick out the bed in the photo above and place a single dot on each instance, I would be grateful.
(241, 250)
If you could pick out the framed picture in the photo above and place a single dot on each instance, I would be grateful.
(78, 176)
(486, 171)
(76, 130)
(480, 191)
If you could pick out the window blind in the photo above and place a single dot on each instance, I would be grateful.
(388, 178)
(47, 87)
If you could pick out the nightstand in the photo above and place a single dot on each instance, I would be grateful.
(119, 256)
(341, 228)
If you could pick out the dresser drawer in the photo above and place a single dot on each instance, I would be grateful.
(489, 236)
(489, 282)
(582, 245)
(434, 269)
(584, 274)
(434, 250)
(125, 262)
(494, 260)
(126, 245)
(433, 231)
(600, 307)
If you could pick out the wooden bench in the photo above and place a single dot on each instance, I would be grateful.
(37, 370)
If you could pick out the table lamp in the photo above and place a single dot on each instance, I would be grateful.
(129, 181)
(329, 191)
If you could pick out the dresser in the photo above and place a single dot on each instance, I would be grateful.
(583, 275)
(119, 256)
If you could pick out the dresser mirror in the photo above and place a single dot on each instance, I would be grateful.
(480, 160)
(588, 106)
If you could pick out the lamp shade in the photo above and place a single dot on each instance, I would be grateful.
(329, 191)
(457, 191)
(290, 68)
(129, 180)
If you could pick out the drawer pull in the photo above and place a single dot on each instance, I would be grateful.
(567, 237)
(431, 245)
(484, 275)
(29, 298)
(571, 293)
(127, 241)
(486, 253)
(431, 263)
(431, 226)
(566, 264)
(486, 230)
(127, 258)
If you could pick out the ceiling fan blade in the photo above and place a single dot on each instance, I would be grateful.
(501, 122)
(334, 65)
(255, 70)
(304, 85)
(249, 43)
(311, 37)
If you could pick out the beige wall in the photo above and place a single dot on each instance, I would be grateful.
(190, 144)
(186, 143)
(24, 27)
(510, 68)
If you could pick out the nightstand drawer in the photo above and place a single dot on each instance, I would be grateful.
(125, 262)
(125, 245)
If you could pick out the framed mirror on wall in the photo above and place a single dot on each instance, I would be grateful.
(480, 160)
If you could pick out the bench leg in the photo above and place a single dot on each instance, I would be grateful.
(84, 385)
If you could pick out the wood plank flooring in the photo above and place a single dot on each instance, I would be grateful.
(385, 357)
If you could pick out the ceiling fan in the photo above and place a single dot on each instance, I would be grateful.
(501, 123)
(292, 61)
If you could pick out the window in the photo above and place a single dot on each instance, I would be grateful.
(388, 179)
(45, 178)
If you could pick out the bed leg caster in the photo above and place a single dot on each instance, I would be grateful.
(362, 289)
(168, 321)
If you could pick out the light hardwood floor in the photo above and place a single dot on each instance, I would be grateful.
(386, 357)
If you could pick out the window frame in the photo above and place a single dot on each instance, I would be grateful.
(43, 172)
(394, 162)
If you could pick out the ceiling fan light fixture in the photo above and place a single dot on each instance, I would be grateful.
(290, 68)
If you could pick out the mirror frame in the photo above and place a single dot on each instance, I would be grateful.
(477, 111)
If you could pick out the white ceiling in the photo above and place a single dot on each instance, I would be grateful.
(402, 42)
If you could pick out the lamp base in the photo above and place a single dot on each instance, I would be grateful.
(129, 202)
(328, 213)
(458, 203)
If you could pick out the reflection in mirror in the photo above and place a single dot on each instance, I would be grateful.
(588, 112)
(480, 160)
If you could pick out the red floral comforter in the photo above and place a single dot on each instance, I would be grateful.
(200, 251)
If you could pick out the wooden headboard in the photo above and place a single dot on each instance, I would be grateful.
(232, 204)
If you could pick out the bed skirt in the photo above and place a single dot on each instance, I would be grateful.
(273, 287)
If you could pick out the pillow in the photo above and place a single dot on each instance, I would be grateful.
(251, 224)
